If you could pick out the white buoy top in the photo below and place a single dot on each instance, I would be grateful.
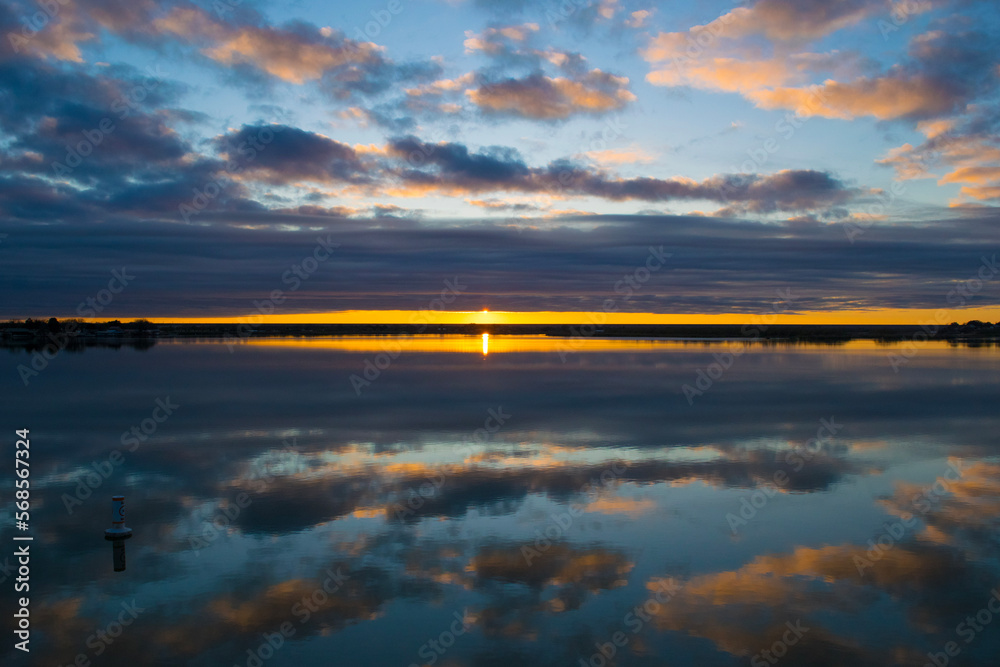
(118, 528)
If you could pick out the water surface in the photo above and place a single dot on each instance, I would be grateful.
(528, 501)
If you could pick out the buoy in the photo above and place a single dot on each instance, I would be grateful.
(118, 529)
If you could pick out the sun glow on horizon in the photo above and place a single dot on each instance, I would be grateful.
(484, 317)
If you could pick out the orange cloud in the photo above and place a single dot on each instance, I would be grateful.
(792, 21)
(287, 55)
(982, 194)
(607, 8)
(908, 163)
(884, 98)
(610, 156)
(934, 128)
(442, 86)
(973, 157)
(57, 39)
(978, 175)
(638, 18)
(488, 41)
(726, 74)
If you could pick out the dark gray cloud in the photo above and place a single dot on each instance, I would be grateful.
(717, 265)
(542, 97)
(280, 154)
(86, 147)
(452, 165)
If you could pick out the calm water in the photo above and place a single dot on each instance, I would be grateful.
(510, 508)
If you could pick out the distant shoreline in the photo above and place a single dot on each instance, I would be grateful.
(40, 330)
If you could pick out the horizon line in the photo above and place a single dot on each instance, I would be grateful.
(857, 317)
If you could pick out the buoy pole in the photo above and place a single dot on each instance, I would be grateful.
(118, 554)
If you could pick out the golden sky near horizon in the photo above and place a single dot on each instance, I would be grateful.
(843, 317)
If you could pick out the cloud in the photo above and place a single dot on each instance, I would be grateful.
(542, 97)
(491, 40)
(907, 164)
(714, 57)
(442, 86)
(979, 175)
(295, 53)
(797, 20)
(885, 98)
(726, 74)
(56, 37)
(236, 38)
(452, 168)
(638, 18)
(280, 154)
(221, 267)
(99, 143)
(503, 205)
(142, 159)
(966, 146)
(608, 157)
(517, 84)
(777, 20)
(58, 30)
(55, 113)
(944, 70)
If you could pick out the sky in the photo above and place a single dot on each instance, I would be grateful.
(829, 161)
